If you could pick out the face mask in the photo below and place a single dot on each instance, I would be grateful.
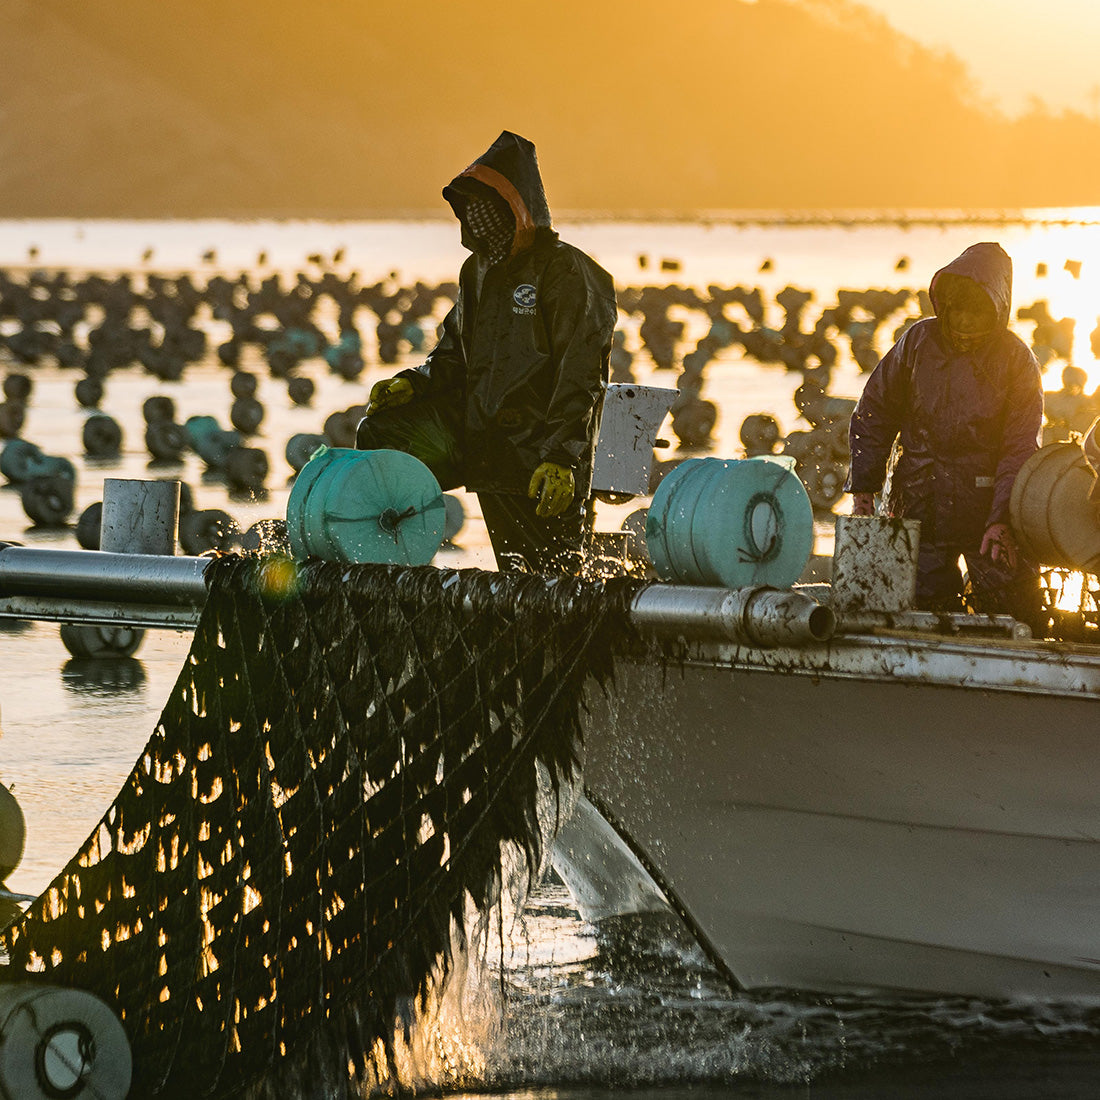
(968, 341)
(968, 327)
(490, 227)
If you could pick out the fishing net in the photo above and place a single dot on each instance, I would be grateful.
(425, 429)
(342, 761)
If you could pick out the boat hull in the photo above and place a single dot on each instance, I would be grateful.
(830, 823)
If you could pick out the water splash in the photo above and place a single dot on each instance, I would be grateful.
(635, 1004)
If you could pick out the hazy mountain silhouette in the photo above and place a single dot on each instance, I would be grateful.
(359, 108)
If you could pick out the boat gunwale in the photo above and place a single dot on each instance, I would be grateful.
(1027, 667)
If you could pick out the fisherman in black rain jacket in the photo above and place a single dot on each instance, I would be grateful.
(963, 397)
(515, 384)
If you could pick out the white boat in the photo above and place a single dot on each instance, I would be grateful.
(889, 810)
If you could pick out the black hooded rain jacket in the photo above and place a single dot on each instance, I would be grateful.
(966, 421)
(523, 357)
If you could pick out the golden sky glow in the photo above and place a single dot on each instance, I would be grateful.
(355, 108)
(1013, 48)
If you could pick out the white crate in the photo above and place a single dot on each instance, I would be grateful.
(875, 563)
(628, 429)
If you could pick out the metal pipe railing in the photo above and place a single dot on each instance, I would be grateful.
(933, 622)
(90, 586)
(96, 574)
(758, 616)
(96, 587)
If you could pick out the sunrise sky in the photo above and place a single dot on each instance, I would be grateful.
(356, 108)
(1014, 48)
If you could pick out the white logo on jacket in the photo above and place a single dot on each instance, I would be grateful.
(524, 296)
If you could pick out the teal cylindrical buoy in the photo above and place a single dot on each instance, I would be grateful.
(54, 466)
(731, 522)
(300, 448)
(102, 435)
(674, 515)
(455, 516)
(48, 501)
(20, 460)
(685, 492)
(199, 427)
(366, 506)
(209, 440)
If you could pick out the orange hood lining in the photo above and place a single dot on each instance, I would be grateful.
(525, 227)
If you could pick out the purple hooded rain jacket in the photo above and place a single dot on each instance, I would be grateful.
(967, 420)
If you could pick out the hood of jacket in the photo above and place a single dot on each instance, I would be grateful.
(990, 267)
(507, 170)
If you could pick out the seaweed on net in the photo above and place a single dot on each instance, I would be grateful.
(344, 756)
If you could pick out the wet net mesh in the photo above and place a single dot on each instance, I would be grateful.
(329, 786)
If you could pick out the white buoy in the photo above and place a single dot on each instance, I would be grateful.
(60, 1043)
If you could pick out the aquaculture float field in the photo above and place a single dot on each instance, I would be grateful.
(92, 720)
(581, 1016)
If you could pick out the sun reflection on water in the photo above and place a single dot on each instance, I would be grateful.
(1066, 243)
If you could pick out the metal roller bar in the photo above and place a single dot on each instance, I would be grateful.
(94, 613)
(95, 587)
(96, 575)
(934, 622)
(90, 586)
(914, 621)
(752, 616)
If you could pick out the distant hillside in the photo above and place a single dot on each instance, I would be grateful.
(360, 108)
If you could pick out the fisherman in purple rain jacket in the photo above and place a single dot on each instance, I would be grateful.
(963, 397)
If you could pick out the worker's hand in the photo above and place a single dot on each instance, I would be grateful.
(863, 504)
(999, 545)
(554, 486)
(389, 393)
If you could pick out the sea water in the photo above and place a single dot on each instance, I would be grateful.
(587, 1011)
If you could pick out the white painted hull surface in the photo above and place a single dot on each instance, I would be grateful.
(905, 813)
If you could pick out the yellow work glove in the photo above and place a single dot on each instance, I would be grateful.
(554, 486)
(389, 393)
